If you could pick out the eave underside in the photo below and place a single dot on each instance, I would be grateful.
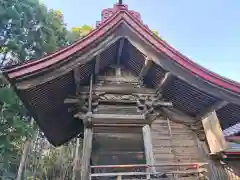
(46, 101)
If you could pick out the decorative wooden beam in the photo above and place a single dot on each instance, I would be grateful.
(119, 89)
(117, 119)
(168, 77)
(120, 49)
(147, 65)
(97, 64)
(214, 107)
(147, 138)
(118, 79)
(214, 134)
(86, 153)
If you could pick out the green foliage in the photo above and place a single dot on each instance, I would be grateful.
(78, 32)
(156, 33)
(28, 30)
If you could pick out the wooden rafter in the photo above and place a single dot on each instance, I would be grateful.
(56, 72)
(147, 65)
(214, 107)
(165, 81)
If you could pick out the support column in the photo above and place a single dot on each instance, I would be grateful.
(147, 138)
(86, 153)
(88, 136)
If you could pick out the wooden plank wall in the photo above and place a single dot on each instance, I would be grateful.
(178, 138)
(174, 142)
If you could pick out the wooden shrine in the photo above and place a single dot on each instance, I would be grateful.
(143, 110)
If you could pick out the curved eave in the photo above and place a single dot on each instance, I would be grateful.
(157, 43)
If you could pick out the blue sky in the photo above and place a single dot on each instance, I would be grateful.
(207, 31)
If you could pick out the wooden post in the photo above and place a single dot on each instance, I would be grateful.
(90, 94)
(87, 142)
(147, 138)
(214, 134)
(86, 153)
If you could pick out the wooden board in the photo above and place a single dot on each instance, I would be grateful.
(214, 134)
(118, 119)
(147, 138)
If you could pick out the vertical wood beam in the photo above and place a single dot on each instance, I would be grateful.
(77, 79)
(87, 142)
(147, 65)
(97, 64)
(86, 153)
(147, 138)
(168, 77)
(120, 49)
(214, 134)
(90, 94)
(119, 55)
(214, 107)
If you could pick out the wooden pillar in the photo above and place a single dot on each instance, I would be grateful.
(86, 153)
(214, 134)
(87, 142)
(147, 138)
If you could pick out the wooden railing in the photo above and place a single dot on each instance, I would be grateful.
(179, 169)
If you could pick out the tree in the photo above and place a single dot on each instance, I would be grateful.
(28, 30)
(78, 32)
(156, 33)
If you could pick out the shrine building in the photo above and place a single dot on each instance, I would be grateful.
(143, 109)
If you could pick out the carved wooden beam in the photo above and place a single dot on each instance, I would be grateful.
(120, 49)
(119, 89)
(147, 65)
(97, 64)
(214, 107)
(168, 77)
(118, 79)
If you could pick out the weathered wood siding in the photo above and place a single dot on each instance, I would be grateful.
(174, 142)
